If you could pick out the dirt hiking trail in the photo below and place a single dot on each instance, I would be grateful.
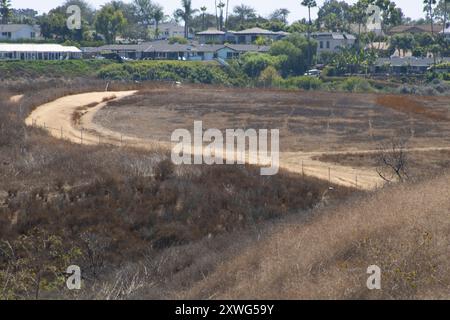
(71, 118)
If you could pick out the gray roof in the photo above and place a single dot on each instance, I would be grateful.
(406, 61)
(333, 35)
(165, 46)
(212, 32)
(248, 47)
(17, 27)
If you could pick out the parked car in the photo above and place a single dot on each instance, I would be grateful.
(313, 73)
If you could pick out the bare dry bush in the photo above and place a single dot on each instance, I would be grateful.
(392, 161)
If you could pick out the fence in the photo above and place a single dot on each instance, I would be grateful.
(89, 137)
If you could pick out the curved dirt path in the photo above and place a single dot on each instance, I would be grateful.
(58, 119)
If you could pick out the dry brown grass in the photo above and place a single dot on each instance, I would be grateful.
(135, 202)
(404, 230)
(415, 106)
(419, 163)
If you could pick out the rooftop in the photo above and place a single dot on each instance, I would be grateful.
(16, 27)
(418, 28)
(256, 31)
(24, 47)
(211, 31)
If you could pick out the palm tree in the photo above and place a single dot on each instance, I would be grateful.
(203, 10)
(428, 7)
(185, 14)
(144, 9)
(310, 4)
(221, 5)
(244, 12)
(281, 15)
(226, 15)
(157, 16)
(217, 16)
(5, 10)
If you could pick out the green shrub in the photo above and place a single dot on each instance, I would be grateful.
(304, 82)
(194, 72)
(355, 84)
(55, 69)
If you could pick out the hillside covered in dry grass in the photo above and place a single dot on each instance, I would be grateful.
(405, 230)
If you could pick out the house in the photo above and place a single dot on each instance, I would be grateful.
(157, 50)
(420, 28)
(406, 65)
(332, 41)
(163, 50)
(170, 30)
(211, 35)
(19, 32)
(234, 51)
(248, 36)
(385, 47)
(38, 52)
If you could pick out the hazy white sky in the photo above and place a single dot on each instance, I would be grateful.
(412, 8)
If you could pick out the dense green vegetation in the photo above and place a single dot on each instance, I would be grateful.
(57, 69)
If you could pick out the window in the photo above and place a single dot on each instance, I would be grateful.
(6, 34)
(328, 44)
(321, 44)
(33, 35)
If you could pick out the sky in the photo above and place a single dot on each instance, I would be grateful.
(411, 8)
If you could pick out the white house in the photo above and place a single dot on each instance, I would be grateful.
(170, 30)
(332, 41)
(38, 52)
(19, 32)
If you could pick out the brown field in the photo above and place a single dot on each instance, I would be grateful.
(308, 121)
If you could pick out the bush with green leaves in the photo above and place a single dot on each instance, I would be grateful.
(355, 84)
(194, 72)
(303, 82)
(254, 63)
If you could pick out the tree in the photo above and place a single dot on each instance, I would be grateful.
(428, 8)
(293, 52)
(157, 16)
(144, 11)
(334, 16)
(203, 10)
(244, 13)
(309, 4)
(403, 42)
(441, 12)
(109, 22)
(226, 15)
(53, 25)
(280, 15)
(5, 10)
(185, 14)
(221, 5)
